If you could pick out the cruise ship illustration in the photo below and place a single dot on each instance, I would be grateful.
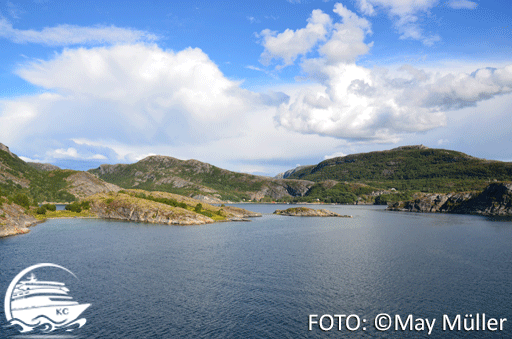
(33, 300)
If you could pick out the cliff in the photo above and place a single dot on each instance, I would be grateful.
(309, 212)
(494, 200)
(14, 220)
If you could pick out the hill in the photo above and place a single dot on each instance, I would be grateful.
(43, 182)
(199, 180)
(411, 168)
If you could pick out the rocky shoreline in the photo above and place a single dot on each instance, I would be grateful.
(309, 212)
(14, 220)
(494, 200)
(128, 207)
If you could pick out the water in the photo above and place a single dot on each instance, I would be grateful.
(262, 279)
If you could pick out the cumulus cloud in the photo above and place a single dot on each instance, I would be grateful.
(64, 35)
(356, 103)
(126, 101)
(289, 44)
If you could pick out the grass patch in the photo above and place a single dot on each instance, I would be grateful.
(62, 214)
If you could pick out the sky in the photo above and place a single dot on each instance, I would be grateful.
(253, 86)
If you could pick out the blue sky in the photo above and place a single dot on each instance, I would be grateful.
(253, 86)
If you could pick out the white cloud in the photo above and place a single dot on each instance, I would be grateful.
(334, 155)
(405, 14)
(126, 101)
(64, 35)
(462, 4)
(72, 153)
(289, 44)
(13, 10)
(252, 19)
(357, 103)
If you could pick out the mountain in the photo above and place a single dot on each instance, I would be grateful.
(44, 182)
(198, 179)
(288, 173)
(411, 168)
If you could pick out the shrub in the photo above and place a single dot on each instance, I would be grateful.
(22, 200)
(86, 205)
(50, 207)
(198, 208)
(41, 210)
(74, 207)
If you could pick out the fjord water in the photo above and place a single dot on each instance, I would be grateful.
(261, 279)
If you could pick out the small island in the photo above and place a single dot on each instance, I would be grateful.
(309, 212)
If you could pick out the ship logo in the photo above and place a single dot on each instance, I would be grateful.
(40, 305)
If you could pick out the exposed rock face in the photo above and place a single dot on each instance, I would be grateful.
(495, 200)
(432, 203)
(84, 184)
(14, 220)
(131, 209)
(237, 213)
(279, 188)
(6, 149)
(286, 174)
(43, 167)
(309, 212)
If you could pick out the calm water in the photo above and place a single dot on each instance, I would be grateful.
(262, 279)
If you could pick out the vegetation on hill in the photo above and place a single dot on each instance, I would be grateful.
(18, 179)
(411, 168)
(192, 178)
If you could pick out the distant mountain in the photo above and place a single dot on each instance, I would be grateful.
(411, 168)
(198, 179)
(288, 173)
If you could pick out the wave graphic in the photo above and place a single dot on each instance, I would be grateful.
(46, 325)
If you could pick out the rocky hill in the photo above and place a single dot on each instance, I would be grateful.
(44, 182)
(198, 179)
(14, 220)
(162, 208)
(494, 200)
(411, 168)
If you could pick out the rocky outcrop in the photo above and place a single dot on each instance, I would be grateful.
(43, 167)
(130, 206)
(309, 212)
(432, 202)
(6, 149)
(288, 173)
(494, 200)
(14, 220)
(125, 207)
(83, 184)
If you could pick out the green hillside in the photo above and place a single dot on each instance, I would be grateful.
(192, 178)
(18, 178)
(411, 168)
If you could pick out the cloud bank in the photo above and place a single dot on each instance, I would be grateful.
(356, 103)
